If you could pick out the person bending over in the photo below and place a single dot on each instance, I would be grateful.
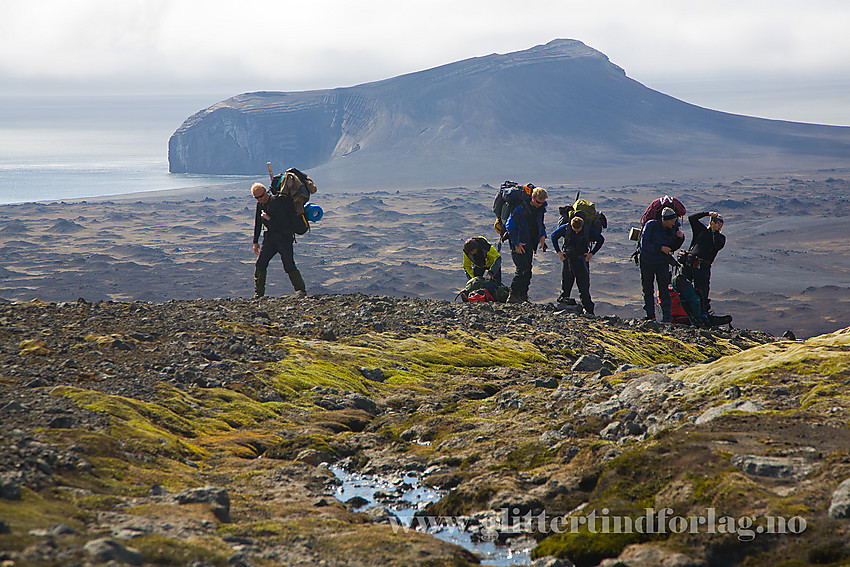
(481, 259)
(576, 256)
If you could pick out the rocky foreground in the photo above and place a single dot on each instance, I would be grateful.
(200, 433)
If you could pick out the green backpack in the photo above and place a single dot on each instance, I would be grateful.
(498, 291)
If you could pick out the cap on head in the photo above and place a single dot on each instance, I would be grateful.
(258, 190)
(718, 218)
(668, 214)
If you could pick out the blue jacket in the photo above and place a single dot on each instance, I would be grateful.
(653, 237)
(577, 244)
(524, 223)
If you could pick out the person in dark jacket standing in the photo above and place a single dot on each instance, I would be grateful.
(275, 214)
(526, 232)
(706, 243)
(658, 241)
(576, 256)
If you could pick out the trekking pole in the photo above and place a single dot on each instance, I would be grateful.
(271, 173)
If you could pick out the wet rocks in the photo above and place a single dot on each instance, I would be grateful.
(839, 505)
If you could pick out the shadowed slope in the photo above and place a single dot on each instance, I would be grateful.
(547, 112)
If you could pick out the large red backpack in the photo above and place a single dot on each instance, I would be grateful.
(653, 211)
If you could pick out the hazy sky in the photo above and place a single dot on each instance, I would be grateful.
(787, 59)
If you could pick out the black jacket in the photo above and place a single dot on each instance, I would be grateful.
(281, 212)
(706, 243)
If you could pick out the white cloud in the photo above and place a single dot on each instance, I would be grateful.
(328, 43)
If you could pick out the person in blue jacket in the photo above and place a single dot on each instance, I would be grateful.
(576, 256)
(526, 233)
(658, 240)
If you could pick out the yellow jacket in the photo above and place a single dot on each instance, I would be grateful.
(491, 257)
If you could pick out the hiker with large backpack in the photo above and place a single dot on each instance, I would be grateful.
(706, 242)
(653, 212)
(592, 220)
(282, 213)
(576, 256)
(658, 241)
(526, 232)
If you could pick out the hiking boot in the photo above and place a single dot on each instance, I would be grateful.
(718, 320)
(514, 298)
(565, 300)
(649, 318)
(299, 294)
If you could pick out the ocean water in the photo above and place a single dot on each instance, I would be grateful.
(71, 147)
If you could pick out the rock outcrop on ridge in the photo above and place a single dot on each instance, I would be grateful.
(199, 432)
(554, 112)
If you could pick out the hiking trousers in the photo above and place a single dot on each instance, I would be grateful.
(522, 277)
(579, 272)
(700, 277)
(568, 279)
(659, 274)
(276, 243)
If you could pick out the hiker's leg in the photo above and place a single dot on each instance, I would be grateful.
(582, 277)
(297, 280)
(259, 281)
(701, 279)
(267, 252)
(567, 280)
(287, 256)
(522, 278)
(663, 278)
(647, 277)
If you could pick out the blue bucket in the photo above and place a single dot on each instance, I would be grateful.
(314, 212)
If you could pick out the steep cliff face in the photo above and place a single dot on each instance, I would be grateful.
(544, 111)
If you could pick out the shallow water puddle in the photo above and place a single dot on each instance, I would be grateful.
(403, 495)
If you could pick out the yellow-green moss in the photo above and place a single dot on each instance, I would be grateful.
(646, 349)
(40, 511)
(819, 356)
(32, 346)
(528, 456)
(585, 548)
(407, 363)
(142, 426)
(161, 550)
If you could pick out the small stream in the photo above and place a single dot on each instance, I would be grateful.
(403, 495)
